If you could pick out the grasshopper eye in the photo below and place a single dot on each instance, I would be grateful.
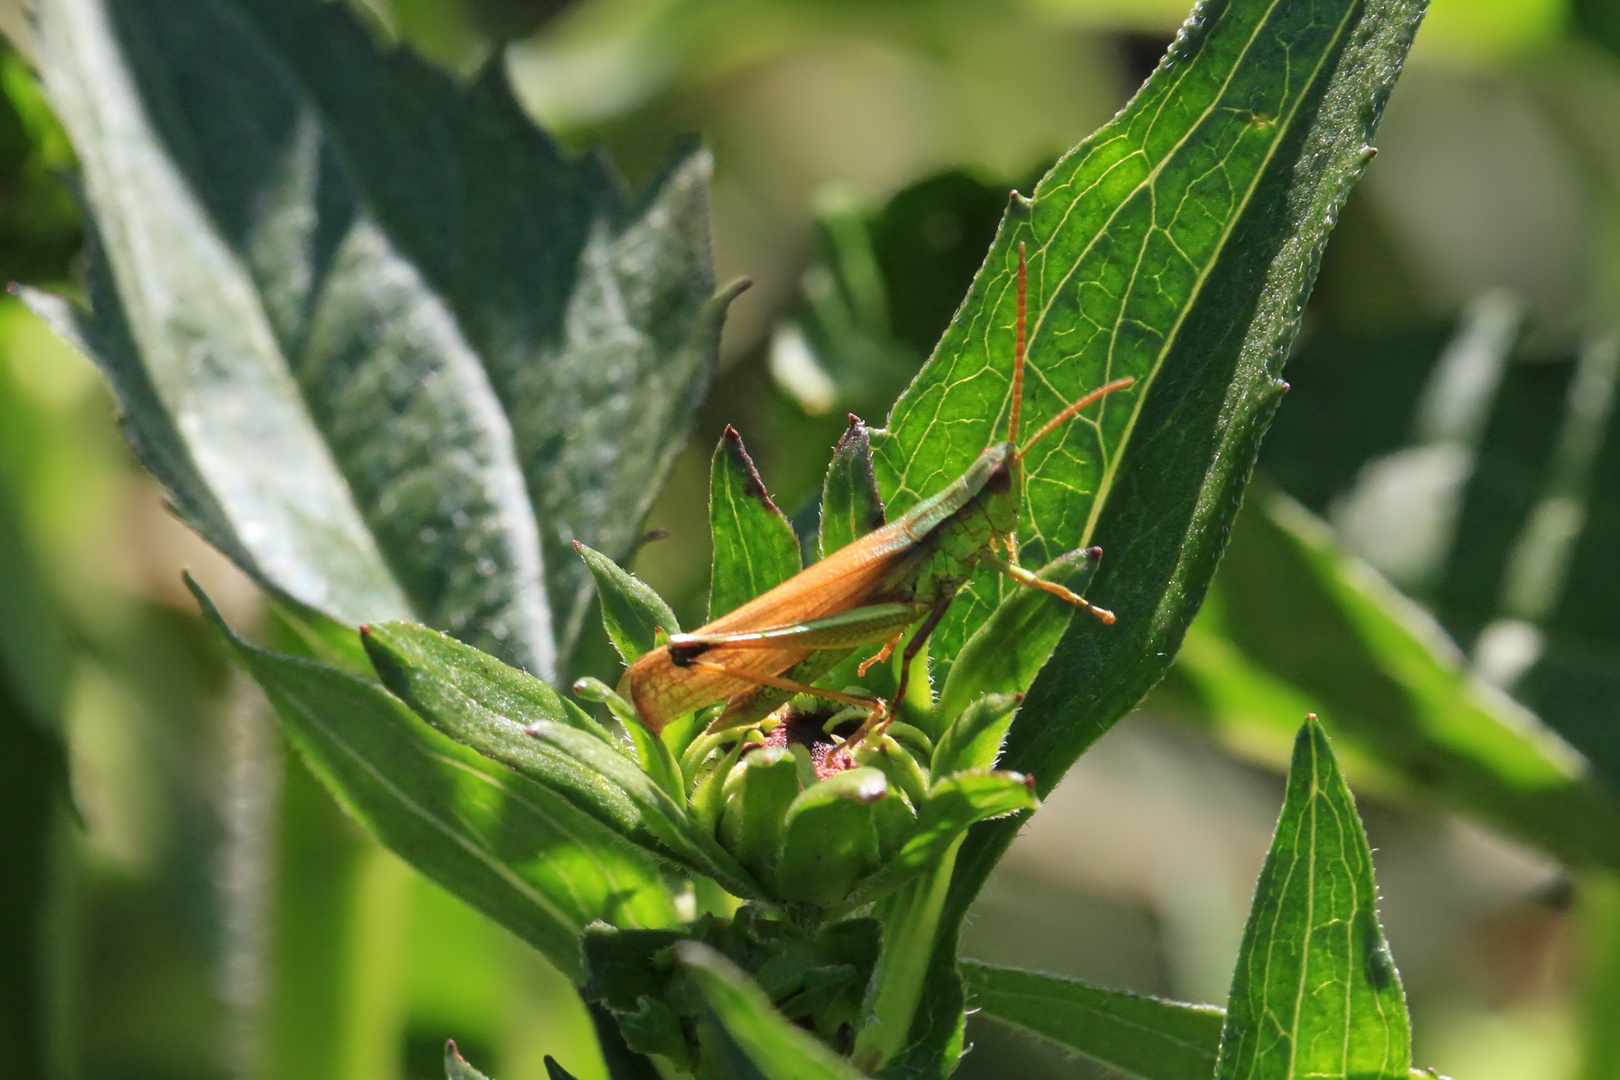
(999, 482)
(682, 653)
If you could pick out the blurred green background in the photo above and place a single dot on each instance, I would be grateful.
(182, 900)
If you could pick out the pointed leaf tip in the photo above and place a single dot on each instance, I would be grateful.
(755, 547)
(1315, 985)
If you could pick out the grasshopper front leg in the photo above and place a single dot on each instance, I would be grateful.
(1030, 580)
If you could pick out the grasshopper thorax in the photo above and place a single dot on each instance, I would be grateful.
(996, 479)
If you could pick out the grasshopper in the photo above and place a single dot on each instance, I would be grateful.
(869, 592)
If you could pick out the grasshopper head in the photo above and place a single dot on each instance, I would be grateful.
(997, 476)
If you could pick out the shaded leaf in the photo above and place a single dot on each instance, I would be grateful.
(1140, 1036)
(555, 1071)
(1294, 624)
(511, 848)
(755, 548)
(751, 1027)
(382, 340)
(1575, 683)
(1315, 992)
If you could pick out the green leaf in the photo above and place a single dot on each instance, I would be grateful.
(1476, 478)
(973, 741)
(389, 348)
(1576, 681)
(851, 506)
(511, 848)
(755, 548)
(829, 837)
(456, 1067)
(1140, 1036)
(483, 704)
(1292, 624)
(956, 803)
(1598, 916)
(623, 965)
(1177, 245)
(632, 612)
(751, 1027)
(555, 1071)
(1315, 992)
(666, 817)
(1009, 648)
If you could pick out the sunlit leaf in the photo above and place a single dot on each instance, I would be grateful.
(1315, 993)
(1176, 246)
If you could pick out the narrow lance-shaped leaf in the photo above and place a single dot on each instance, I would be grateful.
(1294, 623)
(1315, 993)
(485, 705)
(380, 337)
(514, 850)
(1140, 1036)
(1177, 246)
(755, 548)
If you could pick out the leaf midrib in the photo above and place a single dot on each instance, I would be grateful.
(1111, 469)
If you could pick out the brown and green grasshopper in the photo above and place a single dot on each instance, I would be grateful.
(869, 592)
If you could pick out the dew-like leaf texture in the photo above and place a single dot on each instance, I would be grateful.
(516, 851)
(751, 1026)
(389, 348)
(1315, 992)
(850, 504)
(1178, 246)
(1293, 624)
(755, 547)
(1139, 1036)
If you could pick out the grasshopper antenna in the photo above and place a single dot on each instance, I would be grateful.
(1018, 350)
(1069, 411)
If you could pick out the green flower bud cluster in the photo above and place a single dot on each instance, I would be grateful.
(837, 847)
